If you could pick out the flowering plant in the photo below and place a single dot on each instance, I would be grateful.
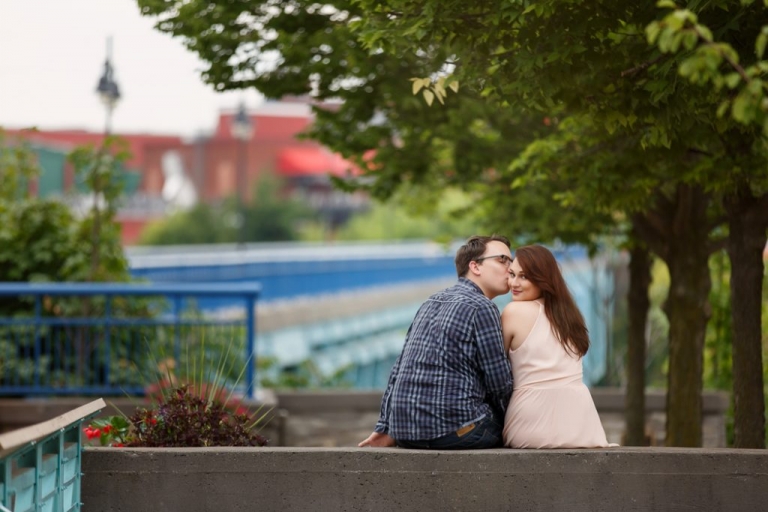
(191, 410)
(182, 419)
(112, 431)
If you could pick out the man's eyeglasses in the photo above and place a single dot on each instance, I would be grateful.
(501, 258)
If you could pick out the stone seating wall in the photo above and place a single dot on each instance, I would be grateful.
(372, 480)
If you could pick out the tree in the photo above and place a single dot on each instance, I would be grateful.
(592, 59)
(41, 238)
(100, 170)
(726, 61)
(639, 305)
(269, 217)
(623, 135)
(467, 144)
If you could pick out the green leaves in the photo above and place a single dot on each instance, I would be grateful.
(709, 61)
(432, 90)
(760, 42)
(40, 239)
(420, 83)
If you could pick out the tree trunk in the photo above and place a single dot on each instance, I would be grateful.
(747, 222)
(687, 308)
(639, 281)
(677, 230)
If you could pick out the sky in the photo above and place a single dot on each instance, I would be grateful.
(52, 54)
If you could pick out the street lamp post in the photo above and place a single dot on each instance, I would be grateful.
(107, 88)
(109, 93)
(242, 130)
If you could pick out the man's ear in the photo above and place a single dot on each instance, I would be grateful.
(474, 267)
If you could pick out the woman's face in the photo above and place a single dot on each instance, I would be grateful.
(521, 287)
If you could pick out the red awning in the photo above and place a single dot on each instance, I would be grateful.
(311, 161)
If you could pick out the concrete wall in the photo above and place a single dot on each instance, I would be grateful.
(316, 479)
(343, 418)
(17, 413)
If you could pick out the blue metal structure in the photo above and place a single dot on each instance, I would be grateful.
(290, 270)
(110, 338)
(286, 271)
(112, 348)
(363, 347)
(40, 465)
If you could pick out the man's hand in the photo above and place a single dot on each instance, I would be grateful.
(377, 440)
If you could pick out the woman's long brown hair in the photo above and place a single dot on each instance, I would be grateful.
(540, 267)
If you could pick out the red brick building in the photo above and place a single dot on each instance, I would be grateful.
(209, 161)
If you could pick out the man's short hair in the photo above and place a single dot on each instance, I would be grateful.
(473, 249)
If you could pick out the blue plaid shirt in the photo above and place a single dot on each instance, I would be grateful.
(452, 370)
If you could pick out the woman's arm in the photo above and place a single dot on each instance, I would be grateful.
(507, 321)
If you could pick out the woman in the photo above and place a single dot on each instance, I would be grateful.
(545, 337)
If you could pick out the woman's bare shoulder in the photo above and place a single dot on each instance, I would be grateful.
(522, 306)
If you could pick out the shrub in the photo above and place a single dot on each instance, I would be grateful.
(183, 419)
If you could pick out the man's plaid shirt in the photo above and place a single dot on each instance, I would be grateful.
(452, 370)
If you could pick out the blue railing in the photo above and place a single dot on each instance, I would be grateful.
(40, 465)
(115, 338)
(287, 271)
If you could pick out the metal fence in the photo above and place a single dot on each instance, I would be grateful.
(116, 338)
(287, 271)
(40, 465)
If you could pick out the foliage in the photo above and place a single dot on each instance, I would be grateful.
(183, 420)
(38, 242)
(41, 239)
(193, 403)
(718, 369)
(269, 217)
(208, 358)
(112, 431)
(734, 66)
(565, 113)
(402, 146)
(715, 57)
(98, 233)
(409, 216)
(617, 96)
(203, 223)
(37, 238)
(657, 357)
(717, 351)
(302, 376)
(765, 344)
(186, 419)
(718, 357)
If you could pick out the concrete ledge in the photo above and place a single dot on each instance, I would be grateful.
(337, 418)
(346, 479)
(607, 400)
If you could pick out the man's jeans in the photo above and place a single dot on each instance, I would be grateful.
(485, 433)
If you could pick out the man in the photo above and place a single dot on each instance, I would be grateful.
(452, 382)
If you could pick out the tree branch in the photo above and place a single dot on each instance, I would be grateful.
(735, 65)
(642, 67)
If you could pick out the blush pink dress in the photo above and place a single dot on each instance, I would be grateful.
(550, 405)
